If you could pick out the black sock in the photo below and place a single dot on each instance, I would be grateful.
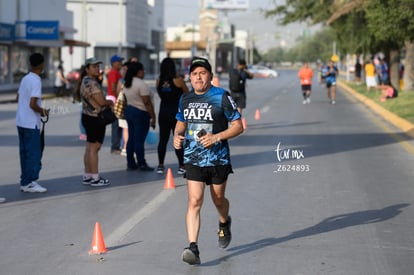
(224, 224)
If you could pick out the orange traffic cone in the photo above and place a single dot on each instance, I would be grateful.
(257, 115)
(98, 244)
(169, 180)
(244, 123)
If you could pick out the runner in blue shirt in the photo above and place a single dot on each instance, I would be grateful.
(330, 72)
(207, 117)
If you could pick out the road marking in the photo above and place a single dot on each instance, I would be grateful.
(119, 233)
(265, 109)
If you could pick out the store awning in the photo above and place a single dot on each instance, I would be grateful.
(76, 43)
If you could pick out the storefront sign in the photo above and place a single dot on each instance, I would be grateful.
(42, 30)
(6, 32)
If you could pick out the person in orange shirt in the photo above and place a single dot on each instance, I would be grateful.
(306, 74)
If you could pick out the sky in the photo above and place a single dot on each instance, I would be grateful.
(267, 33)
(185, 11)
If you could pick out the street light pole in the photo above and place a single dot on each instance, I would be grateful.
(120, 28)
(84, 26)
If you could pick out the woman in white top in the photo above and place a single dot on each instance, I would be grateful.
(139, 115)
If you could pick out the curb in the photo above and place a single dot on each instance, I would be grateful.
(401, 123)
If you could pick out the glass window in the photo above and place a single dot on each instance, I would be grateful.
(20, 56)
(4, 64)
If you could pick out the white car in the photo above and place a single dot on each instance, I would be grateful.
(262, 71)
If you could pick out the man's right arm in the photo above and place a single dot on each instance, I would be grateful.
(179, 133)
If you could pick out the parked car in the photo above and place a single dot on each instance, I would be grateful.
(73, 76)
(260, 71)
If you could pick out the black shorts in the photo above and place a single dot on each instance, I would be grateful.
(95, 131)
(330, 83)
(239, 98)
(306, 87)
(210, 175)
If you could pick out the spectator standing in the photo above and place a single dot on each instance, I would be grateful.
(370, 80)
(28, 115)
(384, 76)
(170, 88)
(306, 74)
(113, 77)
(330, 73)
(203, 131)
(237, 84)
(122, 122)
(139, 115)
(60, 81)
(358, 69)
(93, 101)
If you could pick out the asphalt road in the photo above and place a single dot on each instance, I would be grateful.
(317, 189)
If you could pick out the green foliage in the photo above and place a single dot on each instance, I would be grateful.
(369, 26)
(300, 11)
(391, 22)
(312, 49)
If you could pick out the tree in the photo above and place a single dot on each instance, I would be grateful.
(392, 24)
(360, 25)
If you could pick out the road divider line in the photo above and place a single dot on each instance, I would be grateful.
(121, 231)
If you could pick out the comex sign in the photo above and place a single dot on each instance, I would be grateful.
(42, 30)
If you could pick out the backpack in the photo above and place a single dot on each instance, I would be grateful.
(236, 83)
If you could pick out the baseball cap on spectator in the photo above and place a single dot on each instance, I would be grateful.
(200, 62)
(116, 58)
(92, 60)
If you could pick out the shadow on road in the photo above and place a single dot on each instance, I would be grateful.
(330, 224)
(72, 186)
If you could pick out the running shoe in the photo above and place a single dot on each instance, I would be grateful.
(224, 233)
(308, 100)
(86, 180)
(33, 187)
(99, 182)
(160, 170)
(191, 255)
(181, 171)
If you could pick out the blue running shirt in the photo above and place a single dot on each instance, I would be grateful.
(211, 111)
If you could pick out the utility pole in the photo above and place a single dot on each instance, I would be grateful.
(121, 27)
(84, 27)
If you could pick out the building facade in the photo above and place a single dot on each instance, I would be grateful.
(129, 28)
(25, 28)
(214, 38)
(72, 30)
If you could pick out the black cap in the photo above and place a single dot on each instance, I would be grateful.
(200, 62)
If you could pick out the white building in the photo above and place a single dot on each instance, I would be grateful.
(71, 30)
(26, 27)
(129, 28)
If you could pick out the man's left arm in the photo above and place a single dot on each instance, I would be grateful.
(37, 108)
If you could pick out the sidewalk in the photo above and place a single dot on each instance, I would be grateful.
(10, 96)
(47, 93)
